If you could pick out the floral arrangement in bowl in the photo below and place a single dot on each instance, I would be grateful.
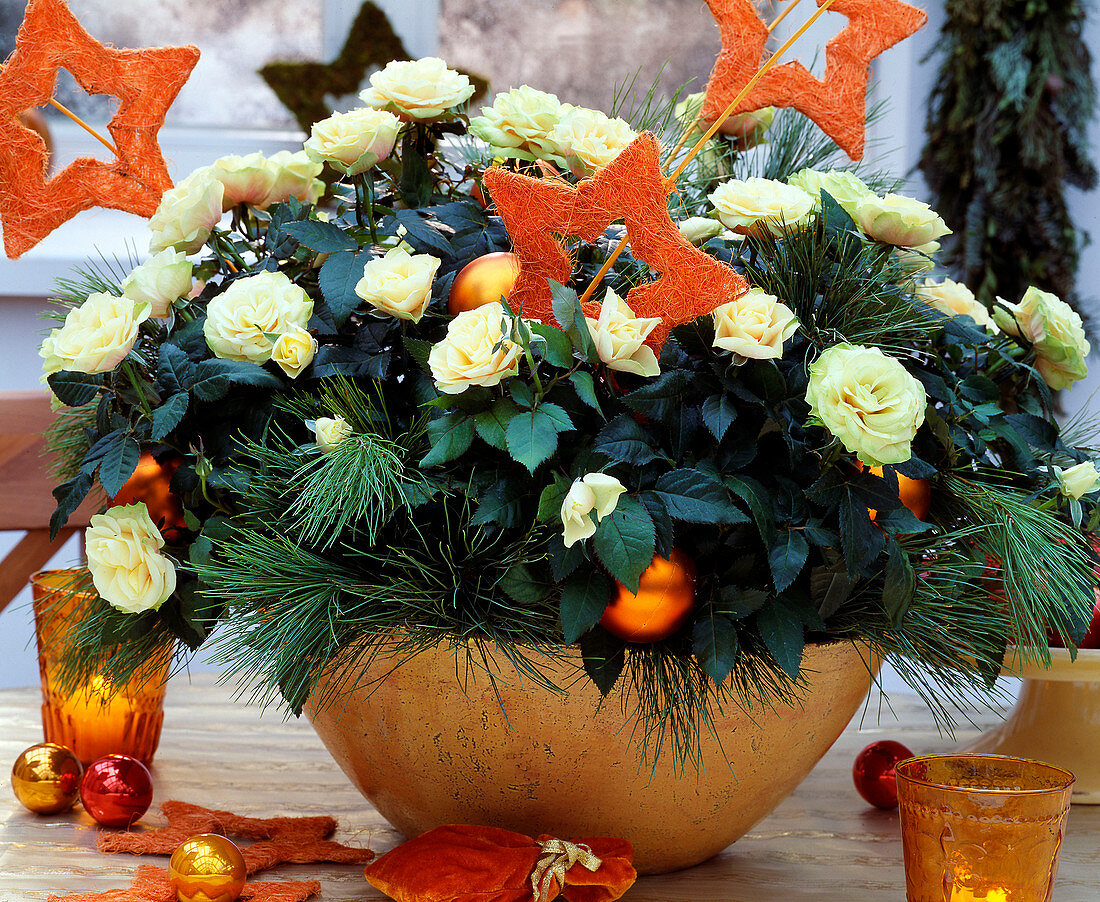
(370, 434)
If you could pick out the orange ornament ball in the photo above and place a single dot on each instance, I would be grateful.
(665, 597)
(915, 494)
(150, 483)
(483, 281)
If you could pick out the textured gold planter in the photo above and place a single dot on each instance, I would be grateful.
(1056, 719)
(428, 744)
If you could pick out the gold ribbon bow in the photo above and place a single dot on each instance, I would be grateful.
(557, 857)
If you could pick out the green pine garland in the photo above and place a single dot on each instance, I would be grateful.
(1007, 130)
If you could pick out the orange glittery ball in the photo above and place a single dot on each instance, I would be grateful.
(915, 494)
(207, 868)
(46, 778)
(150, 483)
(665, 597)
(483, 281)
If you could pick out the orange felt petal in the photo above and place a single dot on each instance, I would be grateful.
(151, 885)
(633, 188)
(838, 103)
(145, 83)
(486, 864)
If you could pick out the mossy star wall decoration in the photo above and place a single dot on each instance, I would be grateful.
(302, 87)
(838, 103)
(633, 188)
(145, 82)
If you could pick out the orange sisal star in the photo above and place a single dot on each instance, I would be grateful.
(279, 840)
(145, 83)
(633, 188)
(151, 885)
(838, 103)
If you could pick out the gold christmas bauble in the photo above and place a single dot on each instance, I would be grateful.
(915, 494)
(665, 597)
(483, 281)
(207, 868)
(46, 778)
(151, 483)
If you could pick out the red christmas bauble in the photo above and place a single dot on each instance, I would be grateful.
(116, 790)
(873, 772)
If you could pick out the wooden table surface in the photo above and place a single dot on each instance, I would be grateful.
(823, 844)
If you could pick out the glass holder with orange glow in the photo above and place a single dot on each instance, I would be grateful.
(99, 718)
(981, 828)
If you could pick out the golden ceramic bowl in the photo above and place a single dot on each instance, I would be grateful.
(429, 747)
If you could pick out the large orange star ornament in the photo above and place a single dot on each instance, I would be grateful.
(839, 102)
(145, 83)
(633, 188)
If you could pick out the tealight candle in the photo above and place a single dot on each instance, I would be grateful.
(981, 828)
(99, 718)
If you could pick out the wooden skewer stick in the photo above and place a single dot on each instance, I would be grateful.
(741, 95)
(84, 125)
(744, 92)
(791, 5)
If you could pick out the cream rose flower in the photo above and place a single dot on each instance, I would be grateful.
(399, 283)
(128, 569)
(757, 206)
(187, 213)
(96, 336)
(846, 188)
(899, 220)
(245, 180)
(699, 229)
(330, 431)
(589, 140)
(754, 326)
(240, 319)
(867, 400)
(353, 142)
(519, 123)
(418, 89)
(160, 281)
(293, 350)
(1079, 480)
(1055, 332)
(955, 299)
(618, 335)
(294, 175)
(594, 493)
(469, 355)
(748, 128)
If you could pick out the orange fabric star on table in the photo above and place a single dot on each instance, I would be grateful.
(145, 83)
(838, 103)
(633, 188)
(151, 885)
(278, 840)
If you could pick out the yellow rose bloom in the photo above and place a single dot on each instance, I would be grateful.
(846, 188)
(128, 569)
(754, 326)
(618, 336)
(469, 354)
(955, 299)
(330, 431)
(399, 284)
(353, 142)
(899, 220)
(1054, 330)
(418, 89)
(187, 213)
(757, 206)
(594, 493)
(1079, 480)
(240, 319)
(96, 336)
(293, 350)
(867, 400)
(589, 140)
(519, 123)
(159, 281)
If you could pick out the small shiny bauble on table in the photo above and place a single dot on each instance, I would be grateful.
(207, 868)
(46, 778)
(116, 790)
(873, 772)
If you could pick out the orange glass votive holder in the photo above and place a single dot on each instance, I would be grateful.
(981, 828)
(103, 717)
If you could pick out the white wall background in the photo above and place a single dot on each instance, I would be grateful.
(898, 138)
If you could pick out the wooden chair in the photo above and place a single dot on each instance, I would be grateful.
(26, 502)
